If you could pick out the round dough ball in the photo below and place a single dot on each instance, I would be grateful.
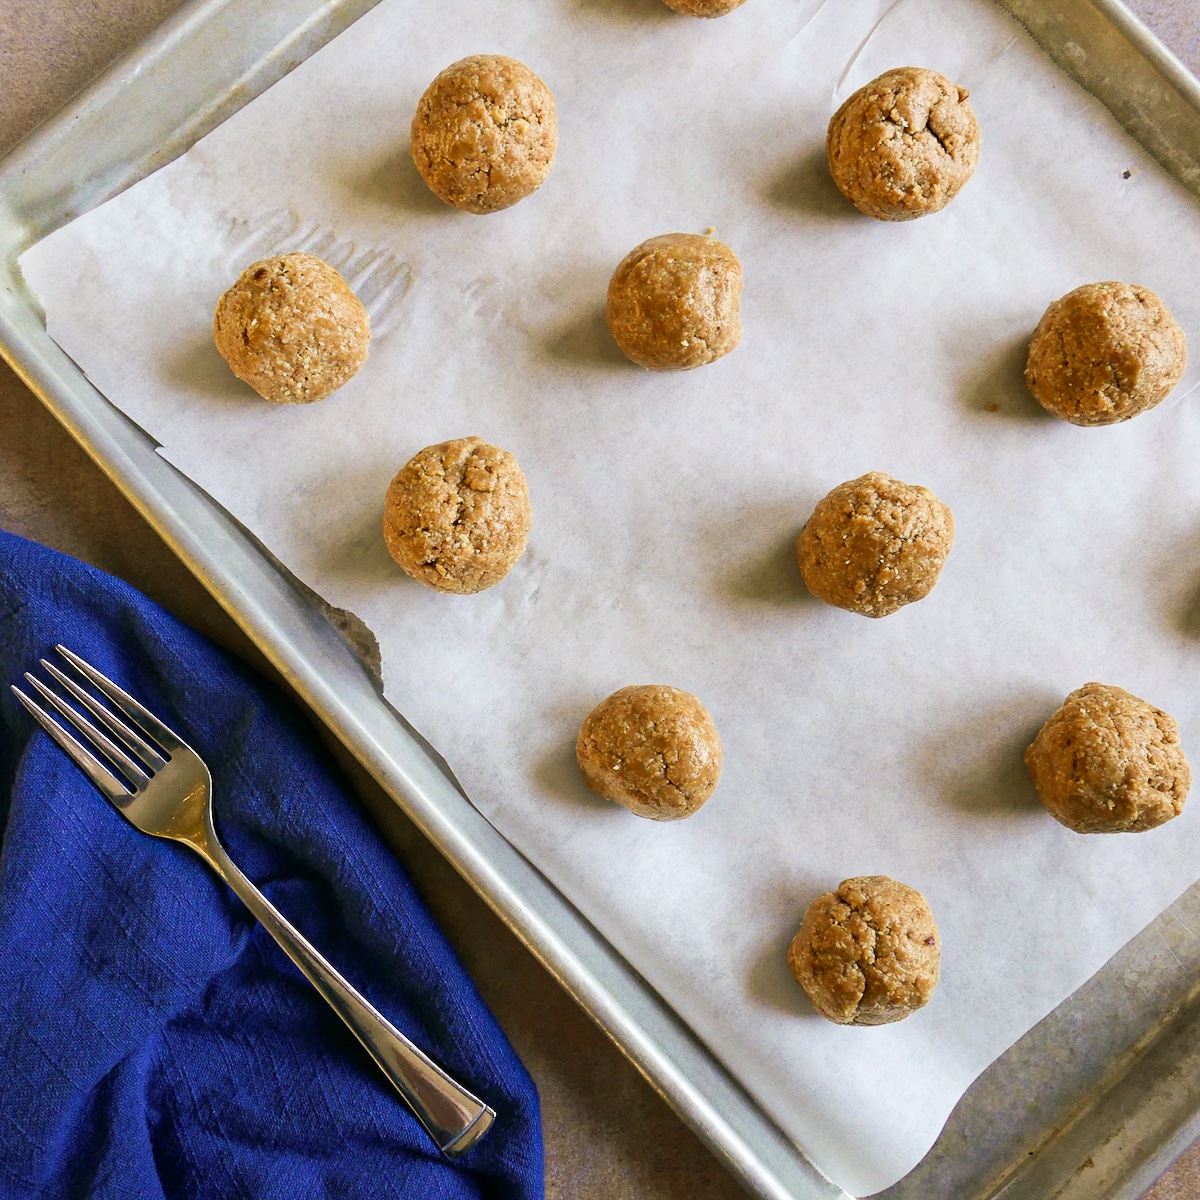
(292, 329)
(875, 544)
(1107, 762)
(1104, 353)
(674, 302)
(904, 145)
(652, 749)
(457, 515)
(704, 8)
(484, 133)
(867, 954)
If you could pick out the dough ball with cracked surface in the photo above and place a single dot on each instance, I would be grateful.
(674, 302)
(652, 749)
(1104, 353)
(292, 329)
(704, 8)
(867, 954)
(904, 145)
(457, 515)
(1108, 762)
(484, 133)
(875, 544)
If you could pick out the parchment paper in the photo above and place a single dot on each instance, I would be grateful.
(666, 506)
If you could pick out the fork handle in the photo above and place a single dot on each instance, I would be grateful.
(455, 1118)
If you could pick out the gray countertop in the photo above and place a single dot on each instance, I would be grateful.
(608, 1137)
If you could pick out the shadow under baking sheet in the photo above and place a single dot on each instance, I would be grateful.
(805, 186)
(1182, 591)
(558, 772)
(585, 341)
(994, 386)
(198, 367)
(760, 566)
(652, 12)
(977, 764)
(770, 979)
(394, 182)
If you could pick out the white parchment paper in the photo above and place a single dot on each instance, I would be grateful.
(666, 506)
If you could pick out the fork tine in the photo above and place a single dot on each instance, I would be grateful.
(100, 741)
(141, 717)
(142, 749)
(90, 766)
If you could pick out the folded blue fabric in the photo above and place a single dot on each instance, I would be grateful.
(154, 1041)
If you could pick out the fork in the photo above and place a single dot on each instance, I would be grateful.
(162, 787)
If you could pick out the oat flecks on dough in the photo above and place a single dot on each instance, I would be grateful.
(869, 953)
(292, 329)
(652, 749)
(704, 8)
(674, 302)
(1108, 762)
(484, 133)
(1104, 353)
(904, 145)
(875, 544)
(457, 515)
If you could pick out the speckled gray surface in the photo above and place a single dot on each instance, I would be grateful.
(607, 1135)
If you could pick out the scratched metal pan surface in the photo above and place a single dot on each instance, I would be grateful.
(1092, 1104)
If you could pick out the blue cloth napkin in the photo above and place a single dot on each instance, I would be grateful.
(154, 1041)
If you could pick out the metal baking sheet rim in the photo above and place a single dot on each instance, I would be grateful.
(1111, 1123)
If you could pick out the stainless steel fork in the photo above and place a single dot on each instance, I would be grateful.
(162, 787)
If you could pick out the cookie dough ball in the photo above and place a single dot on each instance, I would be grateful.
(457, 515)
(875, 544)
(904, 145)
(652, 749)
(292, 329)
(1107, 762)
(484, 133)
(674, 302)
(1104, 353)
(704, 8)
(867, 954)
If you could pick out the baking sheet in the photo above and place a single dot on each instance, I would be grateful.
(665, 507)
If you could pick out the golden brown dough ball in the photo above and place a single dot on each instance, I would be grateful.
(867, 954)
(904, 145)
(674, 302)
(1104, 353)
(1108, 762)
(292, 329)
(652, 749)
(704, 8)
(484, 133)
(875, 544)
(457, 515)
